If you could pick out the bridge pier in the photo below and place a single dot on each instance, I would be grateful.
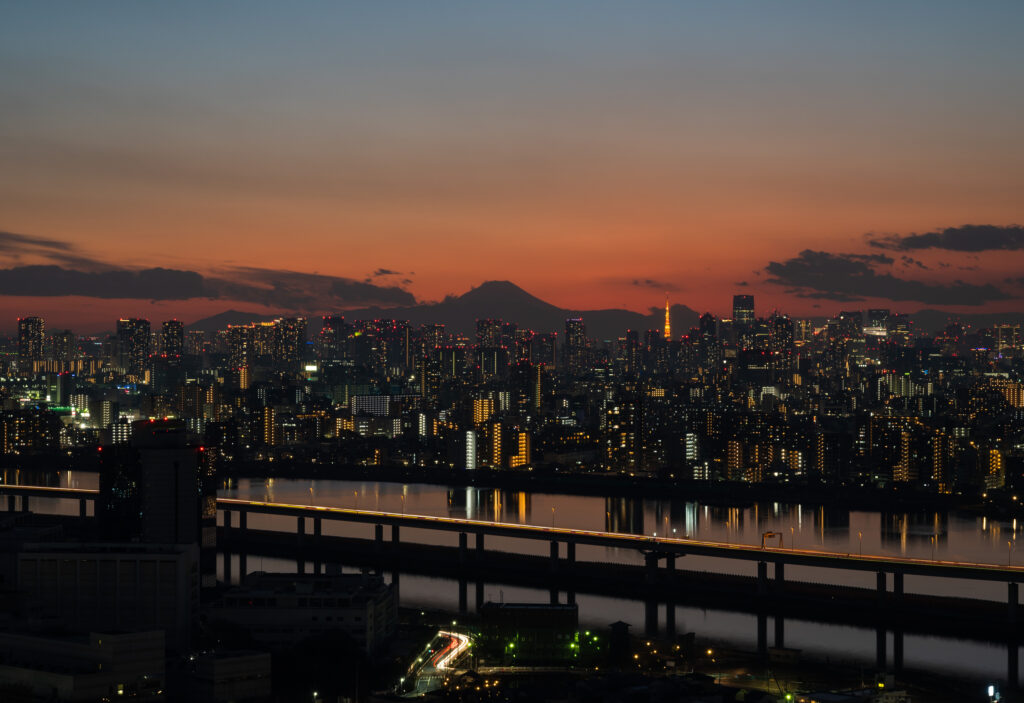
(650, 567)
(1012, 665)
(897, 650)
(479, 595)
(463, 596)
(82, 510)
(1013, 644)
(670, 604)
(242, 519)
(897, 584)
(762, 577)
(24, 504)
(227, 568)
(762, 633)
(651, 618)
(780, 576)
(227, 517)
(243, 569)
(780, 631)
(463, 549)
(553, 563)
(881, 658)
(479, 545)
(570, 563)
(317, 532)
(394, 557)
(880, 584)
(378, 548)
(10, 503)
(1012, 596)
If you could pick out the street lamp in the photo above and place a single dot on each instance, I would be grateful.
(1009, 552)
(552, 516)
(934, 538)
(403, 504)
(860, 543)
(792, 536)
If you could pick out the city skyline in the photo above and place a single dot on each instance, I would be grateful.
(511, 351)
(290, 161)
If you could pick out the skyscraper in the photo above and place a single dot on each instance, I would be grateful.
(172, 338)
(575, 345)
(743, 310)
(240, 345)
(708, 326)
(133, 345)
(331, 343)
(488, 333)
(289, 340)
(31, 331)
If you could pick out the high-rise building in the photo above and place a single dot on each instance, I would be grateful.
(1006, 337)
(743, 309)
(877, 323)
(470, 450)
(172, 338)
(171, 496)
(289, 339)
(195, 340)
(631, 352)
(271, 433)
(64, 346)
(488, 333)
(133, 345)
(708, 326)
(575, 346)
(331, 342)
(31, 332)
(240, 346)
(483, 408)
(544, 349)
(433, 339)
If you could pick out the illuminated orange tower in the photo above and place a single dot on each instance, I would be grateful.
(668, 321)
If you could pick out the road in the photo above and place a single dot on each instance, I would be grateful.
(428, 672)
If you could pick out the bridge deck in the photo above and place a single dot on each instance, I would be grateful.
(669, 545)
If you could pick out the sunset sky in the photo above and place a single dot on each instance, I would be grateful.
(180, 159)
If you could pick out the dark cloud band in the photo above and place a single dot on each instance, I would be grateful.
(967, 238)
(852, 277)
(67, 272)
